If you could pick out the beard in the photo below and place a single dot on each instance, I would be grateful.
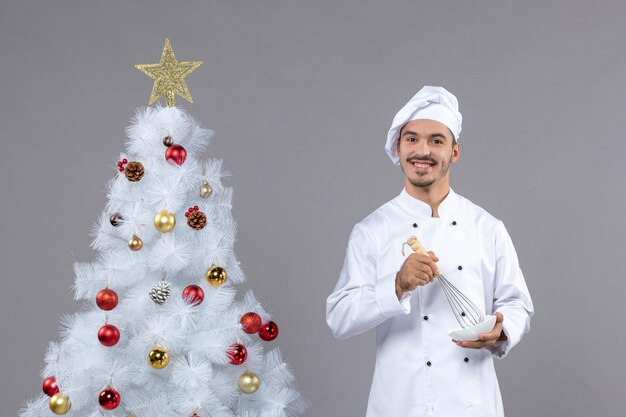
(426, 180)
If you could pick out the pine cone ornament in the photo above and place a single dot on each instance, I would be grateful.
(160, 292)
(134, 171)
(195, 218)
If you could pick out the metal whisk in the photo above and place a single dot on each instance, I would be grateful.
(465, 311)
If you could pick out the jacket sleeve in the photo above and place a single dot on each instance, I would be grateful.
(511, 296)
(361, 300)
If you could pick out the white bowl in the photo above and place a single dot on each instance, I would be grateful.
(471, 333)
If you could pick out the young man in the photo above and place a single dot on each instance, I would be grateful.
(419, 370)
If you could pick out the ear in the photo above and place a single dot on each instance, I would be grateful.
(456, 152)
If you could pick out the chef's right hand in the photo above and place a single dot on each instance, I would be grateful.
(416, 270)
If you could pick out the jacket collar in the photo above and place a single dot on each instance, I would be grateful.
(417, 207)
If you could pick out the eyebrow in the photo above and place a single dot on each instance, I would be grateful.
(434, 135)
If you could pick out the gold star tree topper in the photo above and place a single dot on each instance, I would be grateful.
(169, 76)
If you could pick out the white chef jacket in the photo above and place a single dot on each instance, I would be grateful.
(419, 371)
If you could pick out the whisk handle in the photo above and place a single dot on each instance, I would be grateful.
(416, 245)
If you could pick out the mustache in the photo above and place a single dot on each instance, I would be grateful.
(421, 158)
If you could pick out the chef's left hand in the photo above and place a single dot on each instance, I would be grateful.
(486, 339)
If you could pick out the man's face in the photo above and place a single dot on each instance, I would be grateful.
(426, 150)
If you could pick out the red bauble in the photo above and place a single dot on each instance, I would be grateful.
(251, 322)
(269, 331)
(108, 335)
(50, 386)
(106, 299)
(176, 154)
(109, 398)
(237, 354)
(193, 294)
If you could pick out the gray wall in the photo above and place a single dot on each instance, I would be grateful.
(301, 94)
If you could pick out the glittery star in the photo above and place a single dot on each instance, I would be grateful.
(169, 76)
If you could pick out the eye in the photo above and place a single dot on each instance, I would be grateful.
(437, 141)
(410, 139)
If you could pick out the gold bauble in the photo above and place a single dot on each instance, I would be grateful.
(135, 243)
(158, 358)
(59, 403)
(248, 382)
(205, 189)
(164, 221)
(216, 275)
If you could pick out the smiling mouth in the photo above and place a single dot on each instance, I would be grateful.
(422, 165)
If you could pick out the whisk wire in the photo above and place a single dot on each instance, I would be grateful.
(464, 310)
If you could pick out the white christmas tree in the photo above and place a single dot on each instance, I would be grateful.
(163, 331)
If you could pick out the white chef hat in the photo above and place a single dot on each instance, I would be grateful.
(434, 103)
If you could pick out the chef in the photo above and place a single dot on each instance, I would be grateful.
(420, 370)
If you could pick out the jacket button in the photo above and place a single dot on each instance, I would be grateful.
(466, 359)
(460, 268)
(414, 224)
(428, 363)
(425, 317)
(454, 223)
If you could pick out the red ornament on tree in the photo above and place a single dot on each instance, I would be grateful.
(50, 386)
(109, 398)
(269, 331)
(251, 322)
(193, 294)
(120, 164)
(108, 335)
(106, 299)
(237, 354)
(176, 154)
